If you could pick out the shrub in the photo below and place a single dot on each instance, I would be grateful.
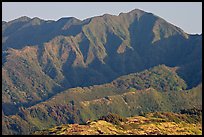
(193, 111)
(113, 118)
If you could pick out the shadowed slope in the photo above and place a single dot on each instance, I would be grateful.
(123, 96)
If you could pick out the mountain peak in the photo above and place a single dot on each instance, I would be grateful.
(133, 13)
(36, 21)
(65, 19)
(22, 19)
(136, 11)
(36, 18)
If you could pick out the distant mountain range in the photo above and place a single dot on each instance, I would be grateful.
(67, 71)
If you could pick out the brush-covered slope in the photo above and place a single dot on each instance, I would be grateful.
(156, 89)
(159, 123)
(42, 58)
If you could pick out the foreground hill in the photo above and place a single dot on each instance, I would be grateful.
(156, 89)
(151, 124)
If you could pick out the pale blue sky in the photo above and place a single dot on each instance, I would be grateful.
(186, 15)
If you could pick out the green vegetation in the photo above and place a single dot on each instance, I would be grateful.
(152, 124)
(160, 78)
(79, 105)
(113, 118)
(54, 72)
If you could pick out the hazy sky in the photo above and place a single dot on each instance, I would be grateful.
(186, 15)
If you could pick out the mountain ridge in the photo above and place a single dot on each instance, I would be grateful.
(77, 105)
(42, 59)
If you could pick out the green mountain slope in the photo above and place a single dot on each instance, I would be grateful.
(122, 96)
(54, 72)
(67, 53)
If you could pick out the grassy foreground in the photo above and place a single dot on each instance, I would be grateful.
(158, 123)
